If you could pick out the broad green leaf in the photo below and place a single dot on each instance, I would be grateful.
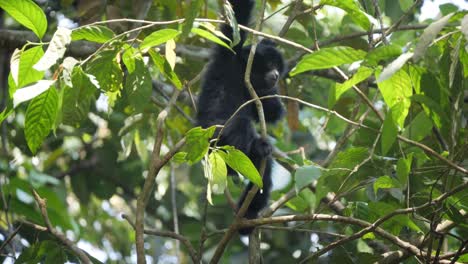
(389, 132)
(55, 50)
(191, 13)
(165, 68)
(40, 118)
(405, 4)
(77, 99)
(128, 57)
(431, 108)
(394, 66)
(197, 143)
(385, 182)
(429, 34)
(138, 86)
(327, 58)
(26, 73)
(353, 9)
(361, 74)
(27, 13)
(382, 53)
(158, 37)
(419, 128)
(211, 37)
(396, 92)
(217, 174)
(403, 169)
(305, 176)
(239, 162)
(31, 91)
(107, 70)
(99, 34)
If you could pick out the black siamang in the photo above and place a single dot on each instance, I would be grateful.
(223, 91)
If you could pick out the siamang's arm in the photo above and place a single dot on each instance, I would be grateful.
(242, 10)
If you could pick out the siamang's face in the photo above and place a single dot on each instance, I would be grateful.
(268, 65)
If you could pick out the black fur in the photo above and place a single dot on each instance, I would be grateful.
(224, 90)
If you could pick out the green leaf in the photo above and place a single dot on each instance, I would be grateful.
(191, 13)
(27, 13)
(107, 70)
(40, 118)
(26, 73)
(327, 58)
(403, 169)
(305, 176)
(216, 172)
(78, 98)
(99, 34)
(354, 11)
(396, 92)
(198, 143)
(128, 58)
(431, 108)
(158, 37)
(405, 4)
(361, 74)
(419, 128)
(56, 50)
(385, 182)
(29, 92)
(382, 53)
(165, 68)
(211, 37)
(239, 162)
(429, 34)
(138, 86)
(394, 66)
(389, 133)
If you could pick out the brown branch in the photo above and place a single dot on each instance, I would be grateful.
(381, 220)
(168, 234)
(61, 237)
(155, 166)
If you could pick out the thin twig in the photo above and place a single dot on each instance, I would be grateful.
(61, 237)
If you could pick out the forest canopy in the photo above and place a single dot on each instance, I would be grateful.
(102, 160)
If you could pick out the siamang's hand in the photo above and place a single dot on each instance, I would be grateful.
(262, 147)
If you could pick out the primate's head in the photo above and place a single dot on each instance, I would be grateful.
(268, 65)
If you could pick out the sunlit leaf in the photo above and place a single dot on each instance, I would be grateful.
(327, 58)
(394, 66)
(354, 11)
(361, 74)
(27, 13)
(97, 33)
(31, 91)
(429, 34)
(158, 37)
(385, 182)
(55, 50)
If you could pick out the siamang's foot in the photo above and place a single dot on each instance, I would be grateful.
(262, 147)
